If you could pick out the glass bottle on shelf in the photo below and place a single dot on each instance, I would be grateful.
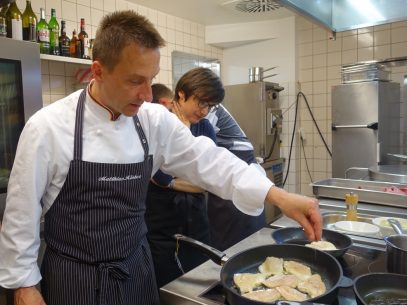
(75, 46)
(43, 33)
(64, 41)
(84, 39)
(53, 27)
(3, 24)
(14, 22)
(29, 23)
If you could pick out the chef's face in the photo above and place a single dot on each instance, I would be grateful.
(128, 85)
(193, 109)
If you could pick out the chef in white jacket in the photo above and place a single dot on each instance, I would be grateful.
(84, 162)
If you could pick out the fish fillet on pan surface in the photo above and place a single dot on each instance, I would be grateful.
(292, 281)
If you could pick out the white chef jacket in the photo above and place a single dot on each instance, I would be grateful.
(45, 150)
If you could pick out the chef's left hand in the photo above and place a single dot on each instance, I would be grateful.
(304, 210)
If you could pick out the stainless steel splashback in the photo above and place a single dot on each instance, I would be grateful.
(366, 125)
(256, 108)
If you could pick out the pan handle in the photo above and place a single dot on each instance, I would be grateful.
(215, 255)
(345, 282)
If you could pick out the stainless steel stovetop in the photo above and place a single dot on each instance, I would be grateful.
(201, 285)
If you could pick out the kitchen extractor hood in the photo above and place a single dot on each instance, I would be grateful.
(344, 15)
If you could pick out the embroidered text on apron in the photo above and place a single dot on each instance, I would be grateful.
(96, 235)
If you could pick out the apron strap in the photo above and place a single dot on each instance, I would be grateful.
(77, 152)
(105, 271)
(141, 135)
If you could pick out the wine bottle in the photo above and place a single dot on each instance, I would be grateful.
(29, 23)
(84, 39)
(53, 27)
(43, 33)
(64, 41)
(75, 46)
(14, 22)
(3, 24)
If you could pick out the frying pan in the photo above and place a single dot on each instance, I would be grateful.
(382, 286)
(295, 235)
(249, 260)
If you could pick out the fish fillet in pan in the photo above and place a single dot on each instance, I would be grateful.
(268, 295)
(291, 294)
(302, 271)
(246, 282)
(281, 280)
(314, 286)
(322, 245)
(272, 265)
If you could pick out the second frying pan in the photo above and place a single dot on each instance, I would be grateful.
(296, 236)
(381, 288)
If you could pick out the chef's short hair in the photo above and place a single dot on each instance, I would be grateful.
(119, 29)
(202, 83)
(160, 91)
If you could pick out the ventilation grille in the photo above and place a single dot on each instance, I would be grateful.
(255, 6)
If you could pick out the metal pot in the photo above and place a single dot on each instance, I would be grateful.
(256, 74)
(396, 246)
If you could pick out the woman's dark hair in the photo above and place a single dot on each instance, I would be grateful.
(119, 29)
(202, 83)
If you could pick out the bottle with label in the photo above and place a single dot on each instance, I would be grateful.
(29, 23)
(14, 22)
(84, 39)
(75, 46)
(3, 24)
(64, 41)
(351, 201)
(53, 27)
(43, 33)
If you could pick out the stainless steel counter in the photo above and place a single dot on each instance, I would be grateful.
(188, 289)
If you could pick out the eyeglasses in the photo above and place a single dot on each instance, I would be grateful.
(211, 107)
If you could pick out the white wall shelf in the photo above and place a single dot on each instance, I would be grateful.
(71, 60)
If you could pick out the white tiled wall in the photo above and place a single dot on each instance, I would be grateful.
(58, 79)
(320, 61)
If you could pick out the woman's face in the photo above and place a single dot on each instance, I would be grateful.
(192, 109)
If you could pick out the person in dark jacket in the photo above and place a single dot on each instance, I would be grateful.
(228, 225)
(174, 205)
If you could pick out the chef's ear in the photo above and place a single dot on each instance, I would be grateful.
(97, 70)
(181, 96)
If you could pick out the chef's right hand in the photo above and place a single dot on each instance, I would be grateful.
(28, 296)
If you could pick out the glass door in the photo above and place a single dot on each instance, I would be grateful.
(11, 116)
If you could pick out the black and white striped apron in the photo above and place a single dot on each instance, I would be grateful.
(95, 232)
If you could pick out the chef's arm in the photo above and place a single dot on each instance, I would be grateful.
(182, 185)
(302, 209)
(164, 180)
(28, 296)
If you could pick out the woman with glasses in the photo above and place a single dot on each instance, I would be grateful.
(174, 205)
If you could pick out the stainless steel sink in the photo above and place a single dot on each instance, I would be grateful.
(330, 218)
